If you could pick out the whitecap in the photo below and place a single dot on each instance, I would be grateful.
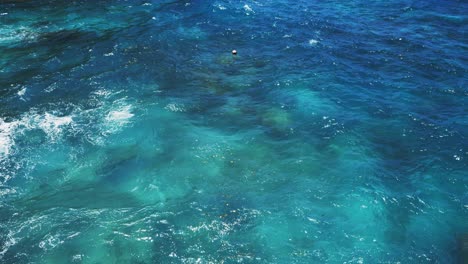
(221, 7)
(120, 115)
(248, 9)
(117, 117)
(22, 92)
(51, 125)
(313, 42)
(6, 140)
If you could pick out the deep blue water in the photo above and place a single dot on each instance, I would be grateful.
(130, 134)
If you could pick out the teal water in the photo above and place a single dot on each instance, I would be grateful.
(130, 134)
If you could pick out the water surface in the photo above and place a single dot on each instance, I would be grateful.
(130, 134)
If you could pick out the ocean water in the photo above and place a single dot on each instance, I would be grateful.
(130, 134)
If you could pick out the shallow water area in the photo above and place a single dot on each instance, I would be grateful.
(129, 133)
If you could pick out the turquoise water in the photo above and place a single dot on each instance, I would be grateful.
(130, 134)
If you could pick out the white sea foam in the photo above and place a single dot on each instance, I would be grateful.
(77, 257)
(120, 115)
(50, 242)
(11, 241)
(175, 107)
(313, 42)
(117, 117)
(248, 9)
(22, 92)
(6, 140)
(109, 117)
(102, 93)
(52, 125)
(221, 7)
(9, 34)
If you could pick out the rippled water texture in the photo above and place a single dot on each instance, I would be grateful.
(130, 134)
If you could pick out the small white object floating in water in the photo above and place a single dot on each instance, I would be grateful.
(234, 52)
